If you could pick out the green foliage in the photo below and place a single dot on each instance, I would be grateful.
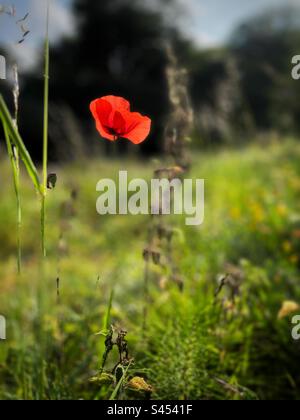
(7, 120)
(197, 345)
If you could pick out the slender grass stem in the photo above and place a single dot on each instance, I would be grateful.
(19, 213)
(107, 319)
(146, 296)
(43, 224)
(45, 136)
(14, 159)
(16, 94)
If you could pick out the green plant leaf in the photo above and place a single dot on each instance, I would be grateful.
(106, 321)
(14, 159)
(7, 120)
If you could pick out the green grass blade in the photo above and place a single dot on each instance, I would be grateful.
(106, 321)
(16, 178)
(14, 135)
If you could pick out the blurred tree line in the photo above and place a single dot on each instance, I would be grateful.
(246, 87)
(119, 48)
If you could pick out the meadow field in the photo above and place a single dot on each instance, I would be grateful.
(218, 329)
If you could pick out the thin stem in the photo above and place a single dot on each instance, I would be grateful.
(16, 95)
(45, 135)
(146, 295)
(19, 214)
(43, 224)
(147, 279)
(16, 176)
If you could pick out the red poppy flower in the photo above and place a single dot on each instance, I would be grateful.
(114, 120)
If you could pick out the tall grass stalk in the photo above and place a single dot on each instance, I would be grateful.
(16, 170)
(45, 135)
(16, 151)
(19, 149)
(14, 159)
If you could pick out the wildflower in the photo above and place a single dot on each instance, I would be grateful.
(114, 120)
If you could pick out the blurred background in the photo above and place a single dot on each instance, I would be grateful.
(238, 55)
(218, 298)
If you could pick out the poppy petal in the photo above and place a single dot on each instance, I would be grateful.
(137, 127)
(117, 103)
(101, 111)
(118, 123)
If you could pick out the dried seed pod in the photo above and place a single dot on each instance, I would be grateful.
(103, 379)
(140, 385)
(122, 345)
(109, 345)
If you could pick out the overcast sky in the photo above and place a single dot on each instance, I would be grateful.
(208, 22)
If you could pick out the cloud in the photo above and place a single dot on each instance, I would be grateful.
(187, 15)
(61, 24)
(26, 55)
(61, 19)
